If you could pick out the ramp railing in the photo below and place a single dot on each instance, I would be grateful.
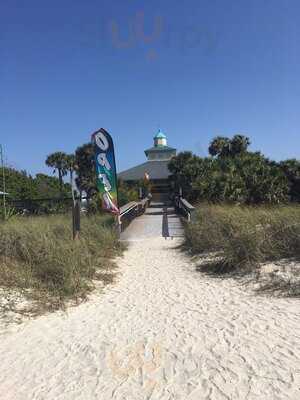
(130, 211)
(183, 207)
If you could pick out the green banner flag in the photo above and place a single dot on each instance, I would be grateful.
(106, 170)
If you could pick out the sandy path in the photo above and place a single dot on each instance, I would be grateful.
(163, 331)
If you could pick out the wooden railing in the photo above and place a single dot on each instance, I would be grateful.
(130, 211)
(184, 208)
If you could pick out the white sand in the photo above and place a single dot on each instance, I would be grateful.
(163, 331)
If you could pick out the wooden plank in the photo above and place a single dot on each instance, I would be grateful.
(127, 207)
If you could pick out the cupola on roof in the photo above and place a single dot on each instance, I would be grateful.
(156, 166)
(160, 135)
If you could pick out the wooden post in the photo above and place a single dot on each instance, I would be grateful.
(140, 193)
(118, 223)
(76, 219)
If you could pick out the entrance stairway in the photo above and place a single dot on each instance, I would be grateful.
(160, 191)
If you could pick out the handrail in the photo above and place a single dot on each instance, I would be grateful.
(128, 207)
(144, 201)
(130, 211)
(185, 208)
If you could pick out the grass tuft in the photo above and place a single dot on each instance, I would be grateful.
(241, 238)
(39, 258)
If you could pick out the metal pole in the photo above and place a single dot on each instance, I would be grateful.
(3, 182)
(76, 219)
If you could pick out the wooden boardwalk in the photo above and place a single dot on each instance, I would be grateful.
(159, 220)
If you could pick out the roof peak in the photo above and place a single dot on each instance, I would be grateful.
(160, 135)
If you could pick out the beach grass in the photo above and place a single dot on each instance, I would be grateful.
(240, 238)
(39, 258)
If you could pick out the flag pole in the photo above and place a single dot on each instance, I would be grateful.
(118, 216)
(3, 182)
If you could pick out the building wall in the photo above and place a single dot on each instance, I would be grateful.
(163, 155)
(161, 142)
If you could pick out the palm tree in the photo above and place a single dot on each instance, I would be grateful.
(219, 146)
(58, 161)
(239, 144)
(70, 162)
(86, 169)
(222, 146)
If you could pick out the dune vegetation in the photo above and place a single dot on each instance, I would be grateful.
(240, 239)
(39, 259)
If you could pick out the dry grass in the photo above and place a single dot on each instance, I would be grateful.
(242, 238)
(39, 259)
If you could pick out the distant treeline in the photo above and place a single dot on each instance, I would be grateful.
(49, 194)
(21, 185)
(233, 174)
(230, 173)
(37, 195)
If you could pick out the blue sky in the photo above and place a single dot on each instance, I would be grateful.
(197, 69)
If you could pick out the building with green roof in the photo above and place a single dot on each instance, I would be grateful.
(156, 167)
(160, 150)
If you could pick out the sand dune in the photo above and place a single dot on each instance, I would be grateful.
(162, 331)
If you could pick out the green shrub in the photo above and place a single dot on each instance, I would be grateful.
(234, 174)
